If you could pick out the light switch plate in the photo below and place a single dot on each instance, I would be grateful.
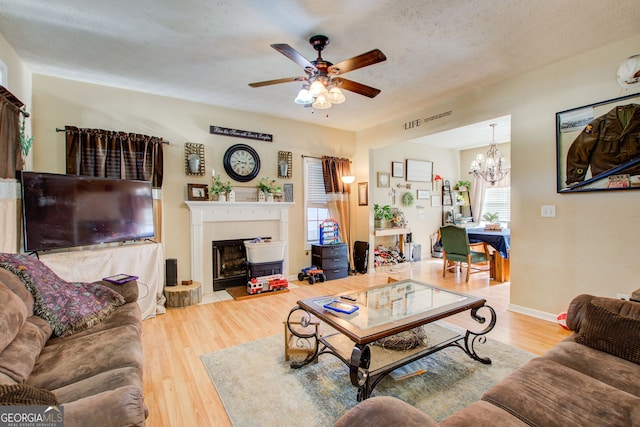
(548, 211)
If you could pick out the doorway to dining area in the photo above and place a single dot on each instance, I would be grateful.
(451, 153)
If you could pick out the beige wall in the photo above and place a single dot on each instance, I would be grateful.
(590, 246)
(60, 102)
(19, 81)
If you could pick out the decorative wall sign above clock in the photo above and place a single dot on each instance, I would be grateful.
(241, 162)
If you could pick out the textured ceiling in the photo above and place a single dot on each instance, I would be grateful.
(209, 50)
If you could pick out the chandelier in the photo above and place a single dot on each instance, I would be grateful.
(320, 92)
(491, 168)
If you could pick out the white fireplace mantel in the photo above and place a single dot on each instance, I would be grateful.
(206, 212)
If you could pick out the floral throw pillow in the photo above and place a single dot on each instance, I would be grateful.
(68, 306)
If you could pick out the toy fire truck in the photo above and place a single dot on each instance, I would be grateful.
(274, 282)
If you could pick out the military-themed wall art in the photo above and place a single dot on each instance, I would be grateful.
(597, 146)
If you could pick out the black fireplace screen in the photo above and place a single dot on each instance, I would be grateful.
(229, 263)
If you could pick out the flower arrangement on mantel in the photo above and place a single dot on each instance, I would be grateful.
(267, 186)
(220, 187)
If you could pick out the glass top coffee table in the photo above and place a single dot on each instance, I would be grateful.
(382, 312)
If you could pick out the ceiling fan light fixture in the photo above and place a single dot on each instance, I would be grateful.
(336, 96)
(321, 103)
(303, 97)
(317, 89)
(319, 78)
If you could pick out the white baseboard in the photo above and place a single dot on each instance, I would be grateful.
(550, 317)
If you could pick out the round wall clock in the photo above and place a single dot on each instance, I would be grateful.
(241, 162)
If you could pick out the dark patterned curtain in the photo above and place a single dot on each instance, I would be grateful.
(333, 169)
(10, 153)
(111, 154)
(120, 155)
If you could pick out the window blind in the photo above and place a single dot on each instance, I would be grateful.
(314, 183)
(498, 200)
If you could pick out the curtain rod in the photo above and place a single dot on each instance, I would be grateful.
(319, 158)
(64, 130)
(14, 100)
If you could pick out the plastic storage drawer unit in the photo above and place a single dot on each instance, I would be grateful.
(332, 259)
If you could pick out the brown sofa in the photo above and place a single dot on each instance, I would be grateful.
(93, 371)
(588, 379)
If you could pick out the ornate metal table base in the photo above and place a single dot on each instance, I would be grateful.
(359, 362)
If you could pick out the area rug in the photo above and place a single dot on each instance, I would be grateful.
(258, 388)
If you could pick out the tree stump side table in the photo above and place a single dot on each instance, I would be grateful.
(183, 295)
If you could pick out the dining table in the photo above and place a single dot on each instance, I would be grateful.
(500, 242)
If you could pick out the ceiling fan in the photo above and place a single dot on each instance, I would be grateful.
(323, 82)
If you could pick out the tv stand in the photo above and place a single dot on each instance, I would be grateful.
(142, 259)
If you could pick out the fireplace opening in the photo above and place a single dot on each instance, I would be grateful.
(229, 263)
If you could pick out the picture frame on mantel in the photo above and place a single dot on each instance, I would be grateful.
(197, 192)
(584, 160)
(419, 170)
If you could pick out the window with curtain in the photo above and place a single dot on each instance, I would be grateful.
(498, 200)
(315, 199)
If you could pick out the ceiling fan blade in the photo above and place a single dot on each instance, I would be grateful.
(358, 88)
(372, 57)
(277, 81)
(293, 55)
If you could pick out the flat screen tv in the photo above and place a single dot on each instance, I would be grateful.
(62, 211)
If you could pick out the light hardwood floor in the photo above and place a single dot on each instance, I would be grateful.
(178, 391)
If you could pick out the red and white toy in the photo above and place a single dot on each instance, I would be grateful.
(275, 282)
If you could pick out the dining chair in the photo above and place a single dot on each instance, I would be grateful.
(456, 250)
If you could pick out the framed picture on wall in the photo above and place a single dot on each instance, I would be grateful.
(422, 194)
(363, 193)
(595, 149)
(383, 179)
(397, 169)
(288, 192)
(419, 170)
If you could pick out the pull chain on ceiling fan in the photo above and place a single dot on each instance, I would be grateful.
(322, 86)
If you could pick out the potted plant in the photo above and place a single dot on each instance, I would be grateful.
(25, 142)
(491, 218)
(269, 188)
(220, 188)
(494, 222)
(381, 214)
(463, 185)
